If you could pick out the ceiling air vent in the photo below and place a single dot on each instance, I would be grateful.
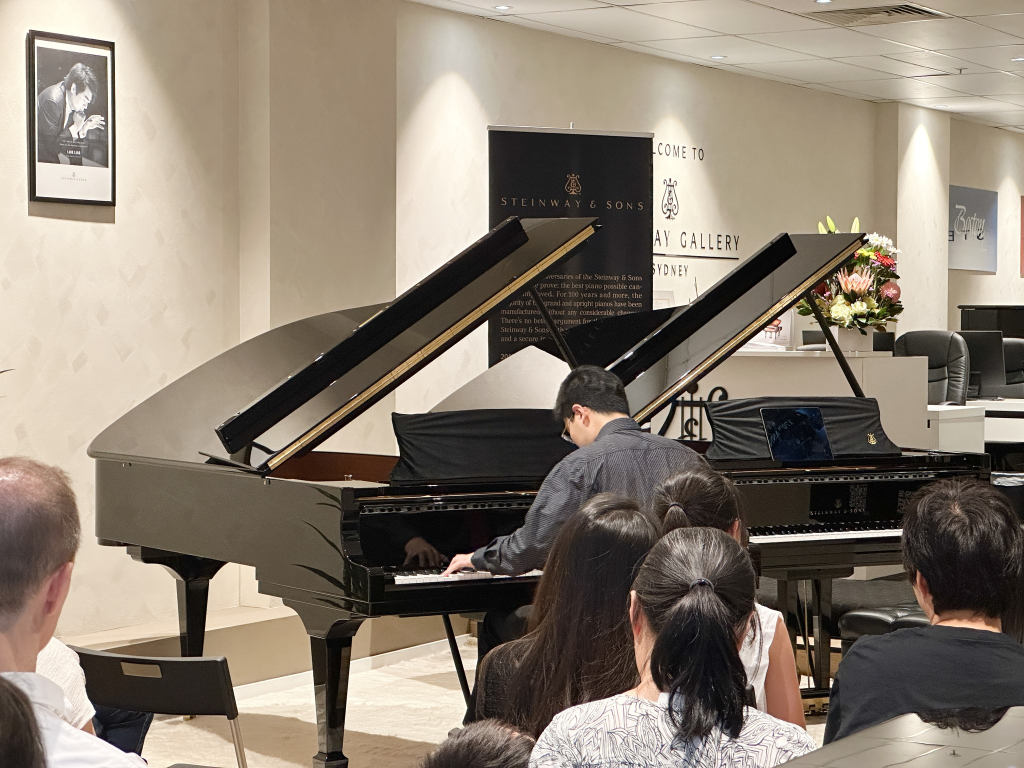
(880, 14)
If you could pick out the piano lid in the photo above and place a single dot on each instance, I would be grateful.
(293, 387)
(700, 336)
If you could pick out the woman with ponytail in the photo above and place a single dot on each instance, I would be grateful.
(690, 610)
(701, 497)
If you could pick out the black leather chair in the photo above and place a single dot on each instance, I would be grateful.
(1013, 355)
(859, 622)
(949, 363)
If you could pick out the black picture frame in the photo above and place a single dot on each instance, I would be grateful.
(71, 120)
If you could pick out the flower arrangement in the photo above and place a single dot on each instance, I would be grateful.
(865, 294)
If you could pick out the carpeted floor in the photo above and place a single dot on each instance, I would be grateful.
(396, 714)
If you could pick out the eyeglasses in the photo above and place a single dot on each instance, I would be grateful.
(565, 431)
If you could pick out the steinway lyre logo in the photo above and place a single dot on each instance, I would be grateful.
(871, 439)
(670, 200)
(572, 184)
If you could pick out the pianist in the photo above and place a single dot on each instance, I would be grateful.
(614, 455)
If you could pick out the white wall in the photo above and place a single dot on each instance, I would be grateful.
(777, 158)
(988, 158)
(100, 306)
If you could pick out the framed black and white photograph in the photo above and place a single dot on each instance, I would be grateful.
(70, 119)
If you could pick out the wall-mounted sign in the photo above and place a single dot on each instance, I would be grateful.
(548, 173)
(71, 119)
(973, 220)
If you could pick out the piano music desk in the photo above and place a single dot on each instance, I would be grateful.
(900, 384)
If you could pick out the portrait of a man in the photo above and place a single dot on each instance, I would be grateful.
(64, 121)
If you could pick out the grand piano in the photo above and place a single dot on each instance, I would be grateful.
(222, 465)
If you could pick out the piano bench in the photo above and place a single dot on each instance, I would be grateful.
(859, 622)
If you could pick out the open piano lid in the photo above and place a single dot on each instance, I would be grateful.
(284, 392)
(700, 336)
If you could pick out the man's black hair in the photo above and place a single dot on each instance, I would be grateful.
(484, 744)
(966, 540)
(593, 387)
(83, 77)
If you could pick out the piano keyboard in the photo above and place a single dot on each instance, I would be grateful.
(834, 536)
(433, 576)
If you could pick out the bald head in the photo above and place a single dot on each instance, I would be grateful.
(39, 530)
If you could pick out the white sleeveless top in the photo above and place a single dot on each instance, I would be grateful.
(754, 652)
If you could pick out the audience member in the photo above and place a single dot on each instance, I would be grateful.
(484, 744)
(60, 664)
(580, 645)
(704, 497)
(20, 745)
(963, 551)
(690, 610)
(39, 536)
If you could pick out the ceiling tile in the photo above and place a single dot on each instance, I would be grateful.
(618, 24)
(520, 21)
(730, 17)
(817, 71)
(973, 7)
(837, 89)
(737, 50)
(449, 5)
(534, 6)
(940, 34)
(997, 57)
(1017, 101)
(1013, 23)
(987, 84)
(964, 104)
(810, 7)
(828, 43)
(891, 66)
(1015, 117)
(899, 88)
(941, 61)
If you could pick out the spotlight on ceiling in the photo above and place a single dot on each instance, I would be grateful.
(1018, 58)
(823, 2)
(503, 7)
(942, 106)
(717, 58)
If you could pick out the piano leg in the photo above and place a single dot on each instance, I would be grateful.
(821, 607)
(330, 639)
(193, 576)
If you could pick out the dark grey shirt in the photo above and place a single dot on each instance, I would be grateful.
(622, 459)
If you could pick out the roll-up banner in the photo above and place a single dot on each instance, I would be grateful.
(546, 173)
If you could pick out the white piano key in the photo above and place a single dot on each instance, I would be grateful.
(829, 536)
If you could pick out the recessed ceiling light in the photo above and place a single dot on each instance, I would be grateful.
(509, 7)
(823, 2)
(942, 106)
(718, 58)
(1019, 58)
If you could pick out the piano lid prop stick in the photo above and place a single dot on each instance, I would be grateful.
(549, 321)
(840, 357)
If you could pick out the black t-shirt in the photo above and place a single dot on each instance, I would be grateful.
(921, 669)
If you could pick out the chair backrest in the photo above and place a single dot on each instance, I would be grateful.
(1013, 354)
(164, 686)
(949, 362)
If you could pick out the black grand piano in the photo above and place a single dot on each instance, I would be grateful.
(221, 465)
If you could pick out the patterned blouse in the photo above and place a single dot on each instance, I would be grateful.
(627, 731)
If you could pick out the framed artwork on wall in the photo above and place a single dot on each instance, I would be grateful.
(70, 119)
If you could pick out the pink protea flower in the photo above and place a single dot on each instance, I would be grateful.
(889, 290)
(858, 282)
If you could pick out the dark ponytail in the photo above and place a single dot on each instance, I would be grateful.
(697, 497)
(696, 590)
